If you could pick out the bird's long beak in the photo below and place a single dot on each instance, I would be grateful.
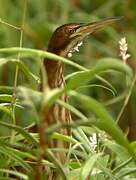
(88, 28)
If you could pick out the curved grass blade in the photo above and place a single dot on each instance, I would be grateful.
(62, 137)
(104, 64)
(57, 164)
(72, 109)
(21, 131)
(6, 90)
(100, 86)
(121, 166)
(15, 173)
(31, 77)
(5, 97)
(126, 171)
(105, 121)
(104, 81)
(8, 151)
(39, 53)
(88, 166)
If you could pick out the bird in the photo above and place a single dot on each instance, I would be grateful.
(66, 40)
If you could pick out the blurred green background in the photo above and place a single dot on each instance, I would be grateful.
(43, 16)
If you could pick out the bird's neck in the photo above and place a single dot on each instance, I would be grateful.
(55, 71)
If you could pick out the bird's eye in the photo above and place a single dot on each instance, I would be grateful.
(71, 31)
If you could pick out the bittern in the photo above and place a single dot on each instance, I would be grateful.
(65, 40)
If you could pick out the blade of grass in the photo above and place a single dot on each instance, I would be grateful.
(15, 173)
(89, 165)
(104, 64)
(8, 151)
(43, 54)
(31, 77)
(57, 164)
(21, 131)
(105, 121)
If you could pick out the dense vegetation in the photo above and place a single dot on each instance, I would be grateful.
(100, 84)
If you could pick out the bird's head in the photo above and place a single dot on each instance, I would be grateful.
(67, 38)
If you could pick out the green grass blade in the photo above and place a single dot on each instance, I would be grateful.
(82, 77)
(126, 171)
(105, 121)
(21, 131)
(57, 164)
(15, 173)
(39, 53)
(89, 165)
(72, 109)
(5, 97)
(8, 151)
(31, 77)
